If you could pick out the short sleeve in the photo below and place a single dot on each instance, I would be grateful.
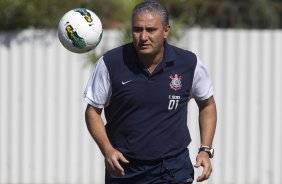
(98, 88)
(202, 87)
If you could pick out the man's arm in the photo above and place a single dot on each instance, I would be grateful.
(97, 130)
(207, 123)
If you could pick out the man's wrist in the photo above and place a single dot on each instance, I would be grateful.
(208, 150)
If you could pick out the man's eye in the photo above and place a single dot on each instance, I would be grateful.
(150, 30)
(137, 29)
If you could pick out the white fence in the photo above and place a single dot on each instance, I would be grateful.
(43, 137)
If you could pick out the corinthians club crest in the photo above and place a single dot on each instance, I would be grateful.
(175, 83)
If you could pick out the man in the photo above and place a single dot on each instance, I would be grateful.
(144, 88)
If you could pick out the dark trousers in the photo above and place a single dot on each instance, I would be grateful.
(177, 169)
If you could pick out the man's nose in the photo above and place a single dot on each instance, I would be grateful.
(144, 35)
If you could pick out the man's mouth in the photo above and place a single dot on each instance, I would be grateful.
(144, 46)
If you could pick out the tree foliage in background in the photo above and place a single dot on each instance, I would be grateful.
(20, 14)
(228, 13)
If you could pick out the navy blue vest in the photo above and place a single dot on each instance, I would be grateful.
(147, 113)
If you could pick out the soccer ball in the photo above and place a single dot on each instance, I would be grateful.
(80, 30)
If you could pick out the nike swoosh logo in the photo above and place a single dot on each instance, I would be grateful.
(123, 83)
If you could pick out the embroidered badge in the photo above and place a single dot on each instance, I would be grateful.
(175, 83)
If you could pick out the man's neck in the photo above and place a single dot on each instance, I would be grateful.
(151, 61)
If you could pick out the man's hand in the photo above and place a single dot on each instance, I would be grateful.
(204, 161)
(113, 159)
(96, 127)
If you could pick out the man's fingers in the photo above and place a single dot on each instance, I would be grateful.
(114, 165)
(198, 164)
(207, 167)
(123, 159)
(118, 167)
(114, 168)
(111, 168)
(205, 174)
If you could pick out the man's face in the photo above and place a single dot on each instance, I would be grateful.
(149, 33)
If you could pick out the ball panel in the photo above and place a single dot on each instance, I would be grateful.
(80, 30)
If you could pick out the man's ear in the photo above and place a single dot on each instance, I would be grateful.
(166, 31)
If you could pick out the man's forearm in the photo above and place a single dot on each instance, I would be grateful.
(96, 128)
(207, 121)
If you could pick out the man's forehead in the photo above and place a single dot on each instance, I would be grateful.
(147, 13)
(148, 17)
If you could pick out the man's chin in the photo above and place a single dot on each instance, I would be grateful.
(144, 52)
